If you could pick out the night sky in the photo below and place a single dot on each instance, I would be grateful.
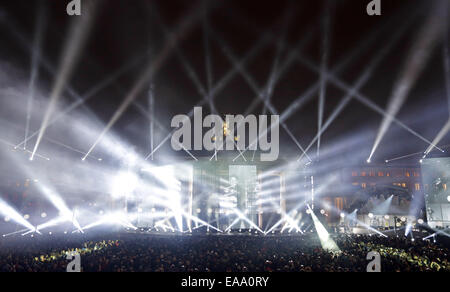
(124, 30)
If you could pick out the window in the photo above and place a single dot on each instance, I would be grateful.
(445, 187)
(355, 184)
(372, 173)
(407, 174)
(416, 174)
(354, 173)
(364, 185)
(388, 174)
(417, 187)
(404, 185)
(363, 173)
(380, 173)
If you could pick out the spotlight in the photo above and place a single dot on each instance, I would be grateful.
(44, 215)
(420, 221)
(386, 217)
(370, 215)
(308, 212)
(199, 211)
(342, 215)
(322, 211)
(7, 219)
(421, 161)
(448, 198)
(26, 217)
(403, 219)
(368, 160)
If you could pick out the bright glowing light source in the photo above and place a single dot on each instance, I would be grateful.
(369, 160)
(44, 215)
(370, 215)
(420, 221)
(140, 210)
(26, 217)
(199, 211)
(124, 184)
(308, 211)
(403, 219)
(322, 211)
(342, 215)
(7, 219)
(448, 198)
(101, 212)
(386, 217)
(325, 239)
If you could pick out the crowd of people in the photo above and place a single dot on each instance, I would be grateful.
(127, 252)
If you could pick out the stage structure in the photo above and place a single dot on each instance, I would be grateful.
(225, 194)
(436, 179)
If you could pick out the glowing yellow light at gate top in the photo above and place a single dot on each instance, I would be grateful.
(225, 129)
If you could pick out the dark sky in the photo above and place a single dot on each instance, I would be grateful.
(127, 29)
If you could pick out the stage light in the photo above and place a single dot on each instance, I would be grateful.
(369, 160)
(123, 184)
(342, 215)
(386, 217)
(420, 221)
(7, 219)
(322, 212)
(44, 215)
(26, 217)
(325, 239)
(308, 212)
(403, 219)
(448, 198)
(199, 211)
(370, 215)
